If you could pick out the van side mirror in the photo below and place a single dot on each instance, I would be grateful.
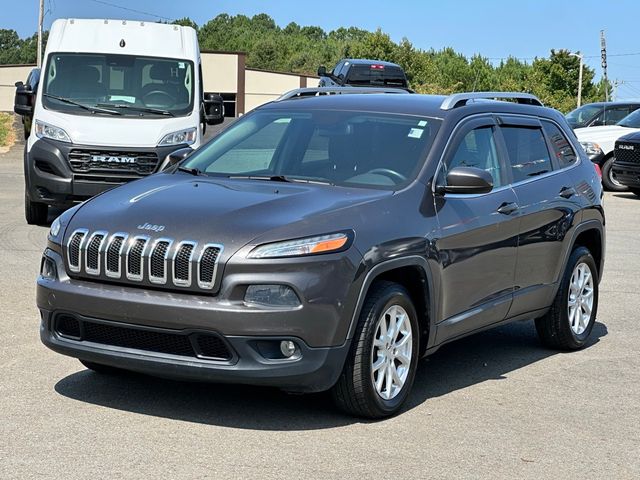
(467, 180)
(24, 99)
(176, 157)
(322, 71)
(213, 109)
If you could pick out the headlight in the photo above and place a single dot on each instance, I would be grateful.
(592, 149)
(44, 130)
(187, 136)
(304, 246)
(55, 228)
(48, 267)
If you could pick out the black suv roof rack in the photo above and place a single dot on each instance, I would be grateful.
(317, 91)
(460, 99)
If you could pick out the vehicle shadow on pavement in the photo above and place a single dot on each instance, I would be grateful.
(627, 195)
(486, 356)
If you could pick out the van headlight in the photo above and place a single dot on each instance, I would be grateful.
(333, 242)
(181, 137)
(592, 149)
(44, 130)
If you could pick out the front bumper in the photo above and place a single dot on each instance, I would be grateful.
(627, 174)
(51, 180)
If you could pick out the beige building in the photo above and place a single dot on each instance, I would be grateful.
(223, 72)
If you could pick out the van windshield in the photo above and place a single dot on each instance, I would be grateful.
(129, 85)
(347, 148)
(631, 121)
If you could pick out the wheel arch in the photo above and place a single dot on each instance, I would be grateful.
(589, 234)
(414, 274)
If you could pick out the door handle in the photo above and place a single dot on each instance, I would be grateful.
(567, 192)
(508, 208)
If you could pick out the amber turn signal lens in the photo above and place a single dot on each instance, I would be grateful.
(329, 245)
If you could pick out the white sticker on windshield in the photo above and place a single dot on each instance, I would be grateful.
(422, 123)
(415, 133)
(181, 65)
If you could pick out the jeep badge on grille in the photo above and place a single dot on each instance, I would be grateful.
(148, 226)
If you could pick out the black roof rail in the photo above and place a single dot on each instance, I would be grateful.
(317, 91)
(460, 99)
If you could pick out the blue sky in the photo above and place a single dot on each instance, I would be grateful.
(492, 28)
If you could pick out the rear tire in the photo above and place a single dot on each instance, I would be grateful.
(380, 368)
(569, 322)
(34, 212)
(608, 180)
(100, 368)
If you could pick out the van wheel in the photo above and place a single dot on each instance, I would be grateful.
(100, 368)
(608, 179)
(381, 365)
(569, 322)
(34, 212)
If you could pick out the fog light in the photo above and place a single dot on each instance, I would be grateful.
(288, 348)
(271, 295)
(48, 269)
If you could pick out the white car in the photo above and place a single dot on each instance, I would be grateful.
(599, 143)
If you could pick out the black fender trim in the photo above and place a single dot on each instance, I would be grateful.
(380, 268)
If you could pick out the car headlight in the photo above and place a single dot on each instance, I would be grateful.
(187, 136)
(44, 130)
(58, 226)
(592, 149)
(332, 242)
(48, 268)
(55, 228)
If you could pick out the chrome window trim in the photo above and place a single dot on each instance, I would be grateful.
(209, 285)
(118, 273)
(460, 124)
(84, 233)
(176, 281)
(94, 271)
(132, 242)
(159, 280)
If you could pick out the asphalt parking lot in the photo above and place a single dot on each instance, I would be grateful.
(496, 405)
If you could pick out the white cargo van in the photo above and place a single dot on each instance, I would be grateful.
(113, 99)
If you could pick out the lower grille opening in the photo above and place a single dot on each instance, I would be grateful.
(67, 326)
(209, 346)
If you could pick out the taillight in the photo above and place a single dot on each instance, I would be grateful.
(598, 169)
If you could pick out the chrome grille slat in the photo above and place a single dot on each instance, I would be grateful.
(119, 256)
(92, 252)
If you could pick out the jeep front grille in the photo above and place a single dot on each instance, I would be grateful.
(142, 260)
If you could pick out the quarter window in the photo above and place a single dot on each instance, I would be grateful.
(561, 147)
(478, 149)
(528, 153)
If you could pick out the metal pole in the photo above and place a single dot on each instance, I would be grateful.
(603, 55)
(580, 82)
(40, 19)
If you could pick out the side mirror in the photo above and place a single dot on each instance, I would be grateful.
(176, 157)
(213, 109)
(322, 71)
(467, 180)
(23, 100)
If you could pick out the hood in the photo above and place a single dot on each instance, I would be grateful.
(594, 134)
(631, 137)
(120, 131)
(213, 210)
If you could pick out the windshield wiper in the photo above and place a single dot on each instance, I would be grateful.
(280, 178)
(193, 171)
(157, 111)
(90, 108)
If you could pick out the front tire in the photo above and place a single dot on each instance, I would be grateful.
(35, 213)
(569, 322)
(381, 365)
(608, 179)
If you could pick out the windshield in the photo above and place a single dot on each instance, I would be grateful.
(130, 85)
(581, 116)
(631, 121)
(336, 147)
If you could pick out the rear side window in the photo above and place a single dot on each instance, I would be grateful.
(477, 149)
(528, 153)
(561, 147)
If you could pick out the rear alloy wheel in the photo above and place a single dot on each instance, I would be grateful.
(570, 319)
(608, 178)
(380, 369)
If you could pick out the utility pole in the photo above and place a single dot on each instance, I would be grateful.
(40, 20)
(581, 57)
(603, 55)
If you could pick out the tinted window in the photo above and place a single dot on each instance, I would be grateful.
(528, 153)
(614, 115)
(477, 149)
(562, 149)
(339, 147)
(367, 75)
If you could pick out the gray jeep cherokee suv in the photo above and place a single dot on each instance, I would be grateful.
(331, 241)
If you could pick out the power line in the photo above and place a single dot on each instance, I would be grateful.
(132, 10)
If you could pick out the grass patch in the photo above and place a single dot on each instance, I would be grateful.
(7, 135)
